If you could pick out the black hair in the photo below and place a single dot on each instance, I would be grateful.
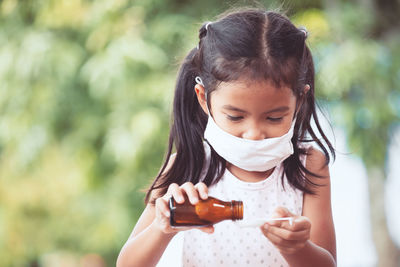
(245, 44)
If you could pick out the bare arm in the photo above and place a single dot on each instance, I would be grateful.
(310, 241)
(146, 244)
(320, 250)
(153, 231)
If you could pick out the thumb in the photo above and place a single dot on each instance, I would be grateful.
(280, 212)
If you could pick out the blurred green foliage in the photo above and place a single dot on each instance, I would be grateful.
(85, 101)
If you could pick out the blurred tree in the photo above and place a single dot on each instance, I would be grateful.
(86, 88)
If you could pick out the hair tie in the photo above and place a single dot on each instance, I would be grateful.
(208, 23)
(304, 30)
(203, 32)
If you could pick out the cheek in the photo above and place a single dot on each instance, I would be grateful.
(280, 129)
(277, 131)
(225, 124)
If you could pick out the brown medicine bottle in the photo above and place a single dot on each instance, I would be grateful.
(205, 212)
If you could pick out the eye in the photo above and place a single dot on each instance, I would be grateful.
(275, 119)
(234, 118)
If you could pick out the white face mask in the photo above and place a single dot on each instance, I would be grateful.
(249, 155)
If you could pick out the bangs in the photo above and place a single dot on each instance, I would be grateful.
(279, 73)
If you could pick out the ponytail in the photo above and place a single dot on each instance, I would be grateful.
(311, 104)
(295, 170)
(186, 136)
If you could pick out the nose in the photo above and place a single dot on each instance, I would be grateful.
(253, 133)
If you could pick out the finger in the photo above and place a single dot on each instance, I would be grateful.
(290, 249)
(175, 191)
(287, 250)
(287, 234)
(191, 192)
(162, 206)
(207, 229)
(202, 189)
(277, 240)
(181, 228)
(280, 212)
(299, 224)
(285, 245)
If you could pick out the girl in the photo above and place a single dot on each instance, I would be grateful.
(243, 107)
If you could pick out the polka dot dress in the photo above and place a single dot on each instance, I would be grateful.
(231, 245)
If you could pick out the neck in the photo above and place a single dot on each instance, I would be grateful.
(248, 176)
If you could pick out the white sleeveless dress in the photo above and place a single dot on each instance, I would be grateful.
(231, 245)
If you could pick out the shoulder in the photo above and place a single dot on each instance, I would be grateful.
(316, 163)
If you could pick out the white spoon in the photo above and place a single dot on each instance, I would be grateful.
(261, 221)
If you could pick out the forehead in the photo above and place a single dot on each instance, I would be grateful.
(253, 95)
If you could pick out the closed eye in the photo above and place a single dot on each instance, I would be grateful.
(275, 119)
(234, 118)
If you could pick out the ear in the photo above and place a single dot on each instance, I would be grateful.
(302, 97)
(306, 89)
(201, 97)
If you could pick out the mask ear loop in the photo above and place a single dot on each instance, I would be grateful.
(200, 81)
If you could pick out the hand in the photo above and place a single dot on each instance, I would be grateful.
(162, 219)
(288, 238)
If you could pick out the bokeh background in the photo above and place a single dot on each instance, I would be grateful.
(85, 99)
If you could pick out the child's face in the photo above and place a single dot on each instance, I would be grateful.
(253, 110)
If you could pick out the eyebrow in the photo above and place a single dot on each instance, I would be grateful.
(278, 109)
